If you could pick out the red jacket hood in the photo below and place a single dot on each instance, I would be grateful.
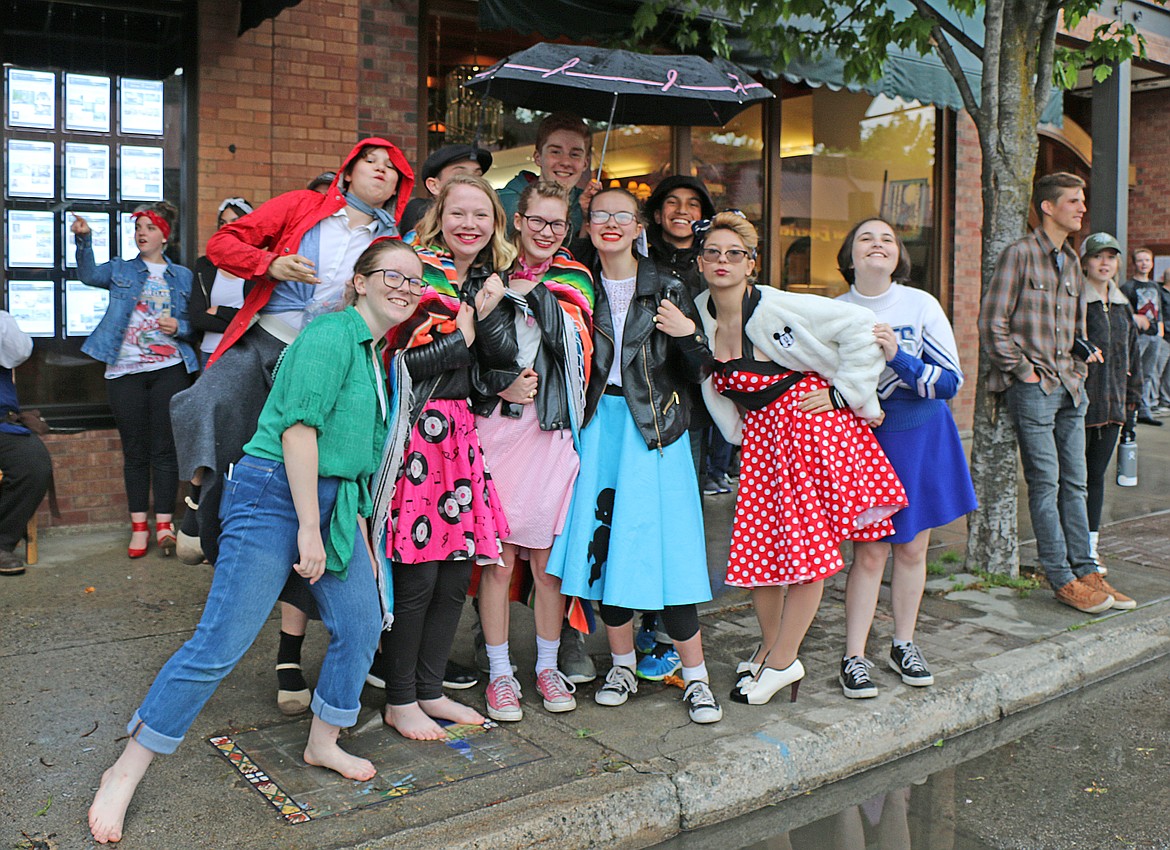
(397, 159)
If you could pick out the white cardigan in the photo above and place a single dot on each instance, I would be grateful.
(807, 333)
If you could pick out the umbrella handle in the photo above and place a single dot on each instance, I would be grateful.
(608, 127)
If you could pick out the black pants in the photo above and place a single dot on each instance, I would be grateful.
(428, 599)
(25, 462)
(681, 621)
(141, 402)
(1099, 445)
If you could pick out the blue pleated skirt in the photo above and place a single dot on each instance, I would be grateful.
(634, 534)
(920, 439)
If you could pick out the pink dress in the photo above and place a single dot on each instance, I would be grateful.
(807, 482)
(445, 507)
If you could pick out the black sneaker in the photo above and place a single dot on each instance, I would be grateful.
(854, 678)
(907, 661)
(459, 678)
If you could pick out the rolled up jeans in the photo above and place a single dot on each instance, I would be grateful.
(1050, 428)
(258, 548)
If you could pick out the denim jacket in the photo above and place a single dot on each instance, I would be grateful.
(125, 279)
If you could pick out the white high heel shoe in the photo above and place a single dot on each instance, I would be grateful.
(760, 688)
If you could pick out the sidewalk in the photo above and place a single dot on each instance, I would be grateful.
(84, 632)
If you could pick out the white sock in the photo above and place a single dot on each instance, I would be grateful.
(498, 661)
(630, 659)
(1094, 536)
(902, 644)
(694, 674)
(546, 654)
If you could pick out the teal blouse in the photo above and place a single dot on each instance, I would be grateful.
(331, 379)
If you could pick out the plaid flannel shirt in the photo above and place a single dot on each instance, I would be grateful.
(1032, 314)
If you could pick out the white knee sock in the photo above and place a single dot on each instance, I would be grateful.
(498, 661)
(546, 654)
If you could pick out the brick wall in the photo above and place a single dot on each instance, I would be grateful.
(88, 470)
(387, 101)
(1149, 201)
(283, 94)
(968, 251)
(295, 93)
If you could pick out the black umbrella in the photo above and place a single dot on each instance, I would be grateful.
(618, 85)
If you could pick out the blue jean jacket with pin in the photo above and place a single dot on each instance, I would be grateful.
(125, 279)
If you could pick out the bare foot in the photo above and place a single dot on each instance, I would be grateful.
(447, 709)
(114, 795)
(328, 754)
(410, 722)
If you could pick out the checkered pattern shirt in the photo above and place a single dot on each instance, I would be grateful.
(1031, 315)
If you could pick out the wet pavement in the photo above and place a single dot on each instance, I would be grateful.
(1085, 771)
(83, 633)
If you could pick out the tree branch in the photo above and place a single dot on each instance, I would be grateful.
(992, 44)
(949, 27)
(951, 63)
(1044, 63)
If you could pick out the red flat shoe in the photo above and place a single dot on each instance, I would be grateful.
(164, 533)
(130, 550)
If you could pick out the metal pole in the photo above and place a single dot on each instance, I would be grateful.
(608, 127)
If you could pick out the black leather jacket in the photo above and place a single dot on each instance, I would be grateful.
(656, 369)
(496, 368)
(442, 368)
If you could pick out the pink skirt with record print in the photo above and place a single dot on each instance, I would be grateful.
(534, 472)
(445, 507)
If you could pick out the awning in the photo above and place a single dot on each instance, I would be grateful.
(255, 12)
(906, 75)
(146, 40)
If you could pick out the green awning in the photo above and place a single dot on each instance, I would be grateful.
(907, 75)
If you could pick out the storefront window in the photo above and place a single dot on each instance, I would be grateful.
(96, 145)
(846, 156)
(729, 161)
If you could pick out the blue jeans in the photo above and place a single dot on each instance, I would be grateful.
(257, 549)
(1050, 429)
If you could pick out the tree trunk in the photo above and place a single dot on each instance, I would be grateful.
(1007, 135)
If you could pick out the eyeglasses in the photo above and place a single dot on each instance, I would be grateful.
(397, 281)
(735, 256)
(537, 224)
(602, 216)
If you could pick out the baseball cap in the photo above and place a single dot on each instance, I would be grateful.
(1095, 243)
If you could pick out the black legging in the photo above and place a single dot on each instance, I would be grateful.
(141, 402)
(1099, 444)
(428, 599)
(681, 621)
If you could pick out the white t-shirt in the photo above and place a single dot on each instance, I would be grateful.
(145, 348)
(620, 293)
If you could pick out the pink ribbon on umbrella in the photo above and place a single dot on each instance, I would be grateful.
(570, 64)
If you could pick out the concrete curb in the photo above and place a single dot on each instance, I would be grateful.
(623, 809)
(732, 776)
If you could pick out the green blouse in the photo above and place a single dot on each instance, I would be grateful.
(331, 379)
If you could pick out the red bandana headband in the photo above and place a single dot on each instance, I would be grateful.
(158, 221)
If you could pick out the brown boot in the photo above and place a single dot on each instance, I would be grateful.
(1098, 583)
(1079, 594)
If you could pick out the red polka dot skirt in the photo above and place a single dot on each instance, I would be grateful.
(807, 482)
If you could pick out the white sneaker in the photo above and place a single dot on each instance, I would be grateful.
(619, 684)
(701, 703)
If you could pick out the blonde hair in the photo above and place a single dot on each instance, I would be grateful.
(738, 225)
(499, 250)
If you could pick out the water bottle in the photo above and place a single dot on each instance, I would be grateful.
(1127, 462)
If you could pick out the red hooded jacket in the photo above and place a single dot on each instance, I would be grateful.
(248, 246)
